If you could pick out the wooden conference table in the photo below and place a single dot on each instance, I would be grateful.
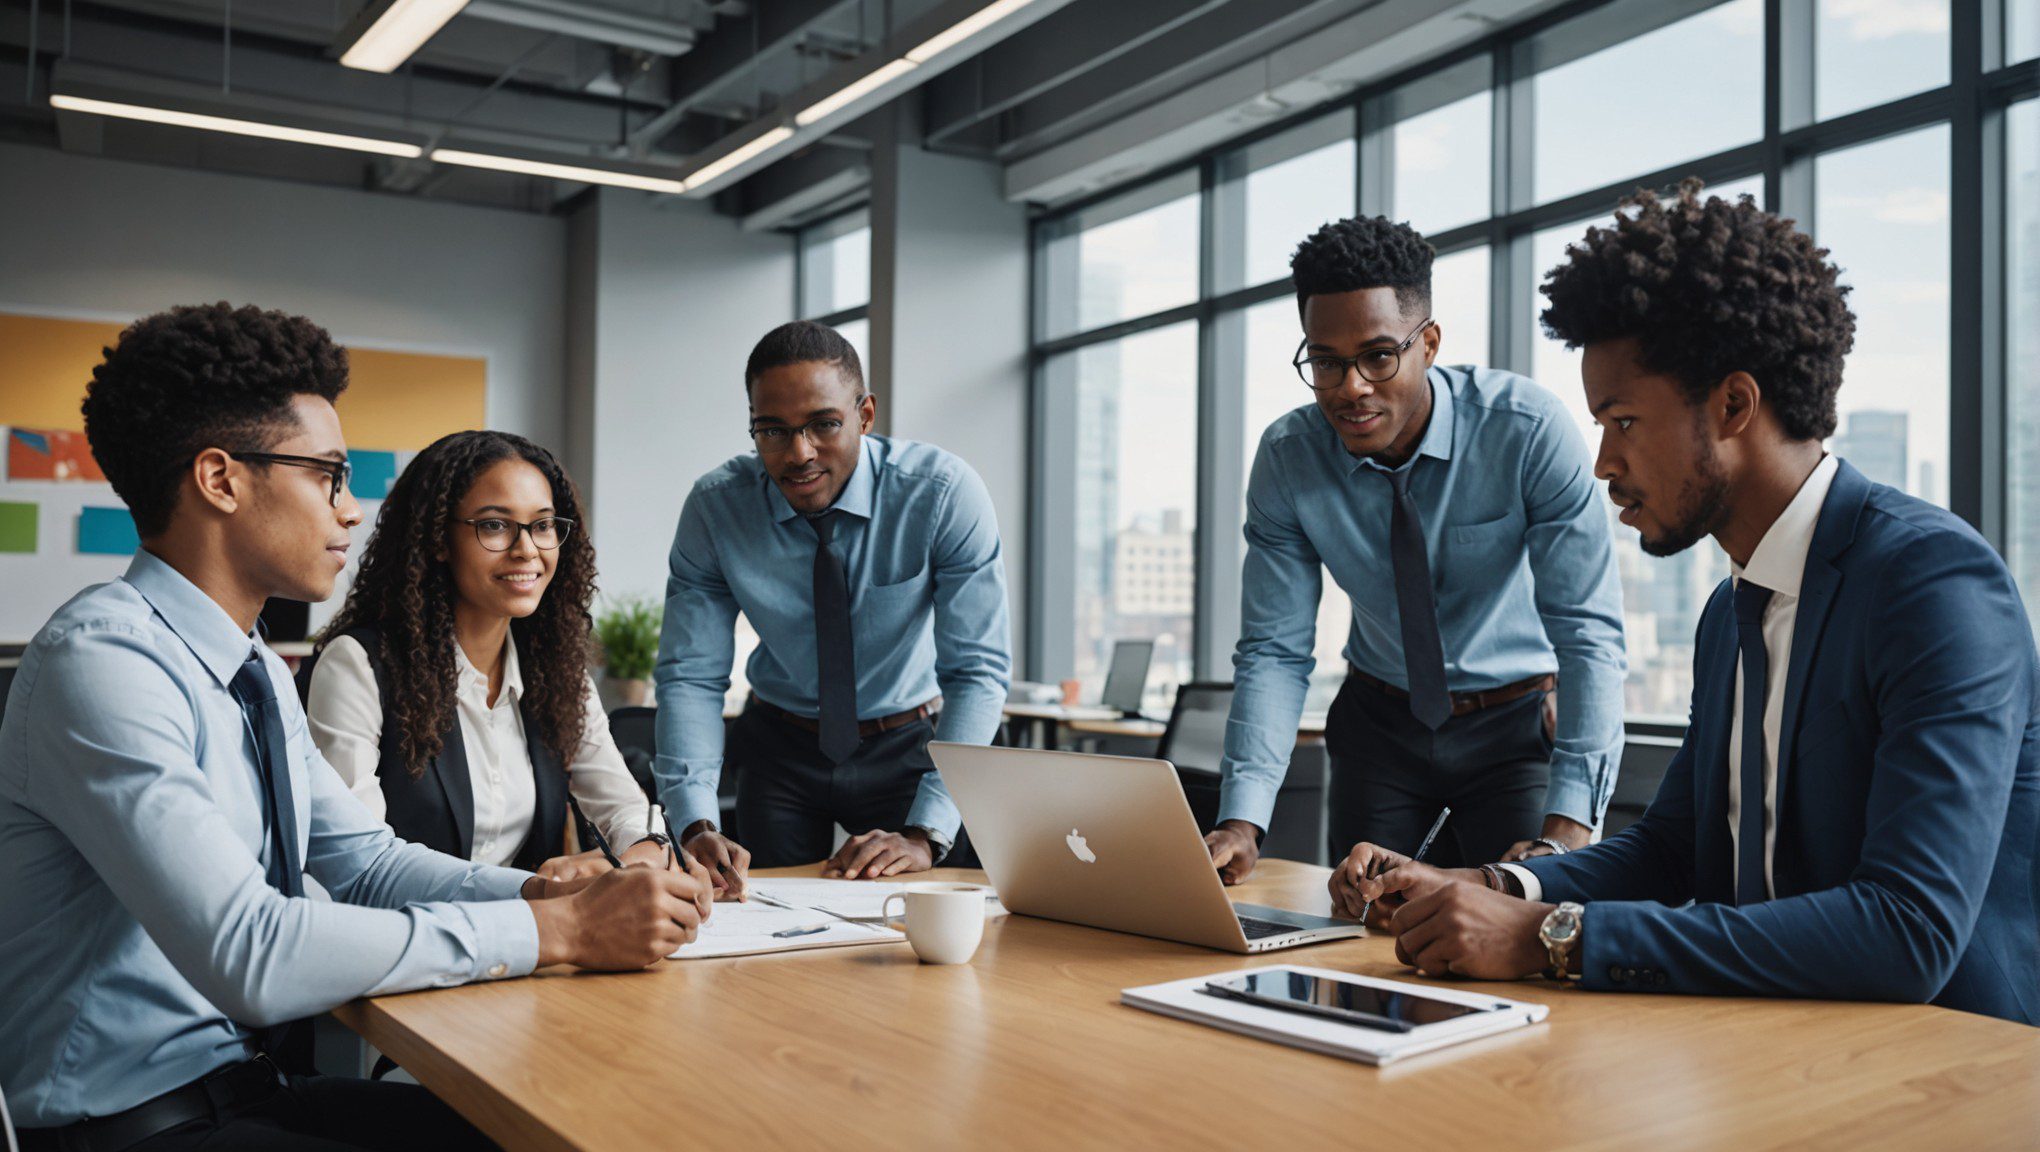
(1028, 1047)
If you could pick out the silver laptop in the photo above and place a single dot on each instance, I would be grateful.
(1107, 842)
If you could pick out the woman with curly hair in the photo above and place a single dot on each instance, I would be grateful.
(451, 692)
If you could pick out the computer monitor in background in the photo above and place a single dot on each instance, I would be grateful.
(1126, 680)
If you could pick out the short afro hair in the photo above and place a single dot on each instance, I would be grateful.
(803, 342)
(198, 377)
(1365, 252)
(1709, 288)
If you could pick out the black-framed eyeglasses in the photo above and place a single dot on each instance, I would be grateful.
(338, 470)
(1324, 372)
(773, 438)
(499, 533)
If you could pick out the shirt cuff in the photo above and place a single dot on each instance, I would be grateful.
(1533, 888)
(1241, 798)
(506, 939)
(490, 883)
(691, 802)
(936, 812)
(1575, 791)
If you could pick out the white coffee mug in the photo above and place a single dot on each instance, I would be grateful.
(944, 921)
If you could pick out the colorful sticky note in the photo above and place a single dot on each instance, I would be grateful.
(38, 454)
(374, 472)
(17, 526)
(107, 532)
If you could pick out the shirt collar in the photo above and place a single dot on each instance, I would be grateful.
(1779, 559)
(1437, 439)
(513, 679)
(856, 497)
(195, 617)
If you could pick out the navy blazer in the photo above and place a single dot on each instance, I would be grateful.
(1908, 790)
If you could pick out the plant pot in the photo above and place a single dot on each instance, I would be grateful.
(627, 693)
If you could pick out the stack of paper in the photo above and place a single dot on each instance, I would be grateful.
(748, 930)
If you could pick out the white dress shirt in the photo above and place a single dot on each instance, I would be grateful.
(1777, 563)
(345, 710)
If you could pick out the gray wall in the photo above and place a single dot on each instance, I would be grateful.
(108, 240)
(949, 326)
(676, 297)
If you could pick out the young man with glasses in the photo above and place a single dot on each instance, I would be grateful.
(870, 568)
(1456, 508)
(162, 804)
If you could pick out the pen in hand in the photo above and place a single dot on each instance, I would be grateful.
(1376, 872)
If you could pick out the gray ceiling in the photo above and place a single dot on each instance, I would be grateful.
(487, 76)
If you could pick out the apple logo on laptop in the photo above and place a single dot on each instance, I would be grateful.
(1079, 849)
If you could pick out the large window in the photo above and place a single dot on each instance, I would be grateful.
(1638, 105)
(1882, 208)
(834, 281)
(2022, 346)
(1166, 319)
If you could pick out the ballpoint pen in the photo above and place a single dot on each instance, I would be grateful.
(810, 930)
(1418, 858)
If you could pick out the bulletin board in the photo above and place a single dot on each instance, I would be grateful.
(61, 526)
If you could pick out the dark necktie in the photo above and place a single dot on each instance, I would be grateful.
(1750, 601)
(288, 1043)
(835, 651)
(1423, 649)
(256, 693)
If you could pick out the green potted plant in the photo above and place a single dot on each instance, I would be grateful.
(628, 631)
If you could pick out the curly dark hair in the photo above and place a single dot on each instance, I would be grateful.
(1365, 252)
(1709, 288)
(198, 377)
(799, 342)
(405, 587)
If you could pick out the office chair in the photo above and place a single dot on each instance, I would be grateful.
(1194, 742)
(635, 729)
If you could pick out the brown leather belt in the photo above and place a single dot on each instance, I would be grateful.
(865, 728)
(1464, 703)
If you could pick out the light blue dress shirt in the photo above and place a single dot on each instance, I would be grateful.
(1521, 562)
(920, 545)
(139, 940)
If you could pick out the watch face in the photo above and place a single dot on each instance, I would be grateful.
(1561, 926)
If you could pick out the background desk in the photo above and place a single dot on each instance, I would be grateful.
(1028, 1047)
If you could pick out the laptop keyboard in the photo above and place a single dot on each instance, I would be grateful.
(1257, 929)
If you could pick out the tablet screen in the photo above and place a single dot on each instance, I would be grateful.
(1305, 990)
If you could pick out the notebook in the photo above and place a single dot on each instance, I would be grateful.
(746, 929)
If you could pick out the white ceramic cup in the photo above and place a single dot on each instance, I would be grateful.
(944, 921)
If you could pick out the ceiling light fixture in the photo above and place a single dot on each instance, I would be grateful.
(237, 127)
(395, 30)
(856, 90)
(965, 28)
(723, 165)
(579, 173)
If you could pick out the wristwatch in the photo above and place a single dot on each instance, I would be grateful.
(1560, 934)
(1557, 849)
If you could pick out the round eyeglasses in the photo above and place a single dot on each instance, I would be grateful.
(1324, 372)
(498, 534)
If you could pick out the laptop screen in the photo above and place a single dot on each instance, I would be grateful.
(1126, 681)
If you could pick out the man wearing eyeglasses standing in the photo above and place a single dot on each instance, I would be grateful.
(870, 569)
(1456, 507)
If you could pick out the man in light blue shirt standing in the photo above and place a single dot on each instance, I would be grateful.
(1457, 508)
(161, 801)
(870, 569)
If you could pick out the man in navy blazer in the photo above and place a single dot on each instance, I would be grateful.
(1879, 638)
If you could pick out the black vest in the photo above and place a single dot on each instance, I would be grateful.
(437, 807)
